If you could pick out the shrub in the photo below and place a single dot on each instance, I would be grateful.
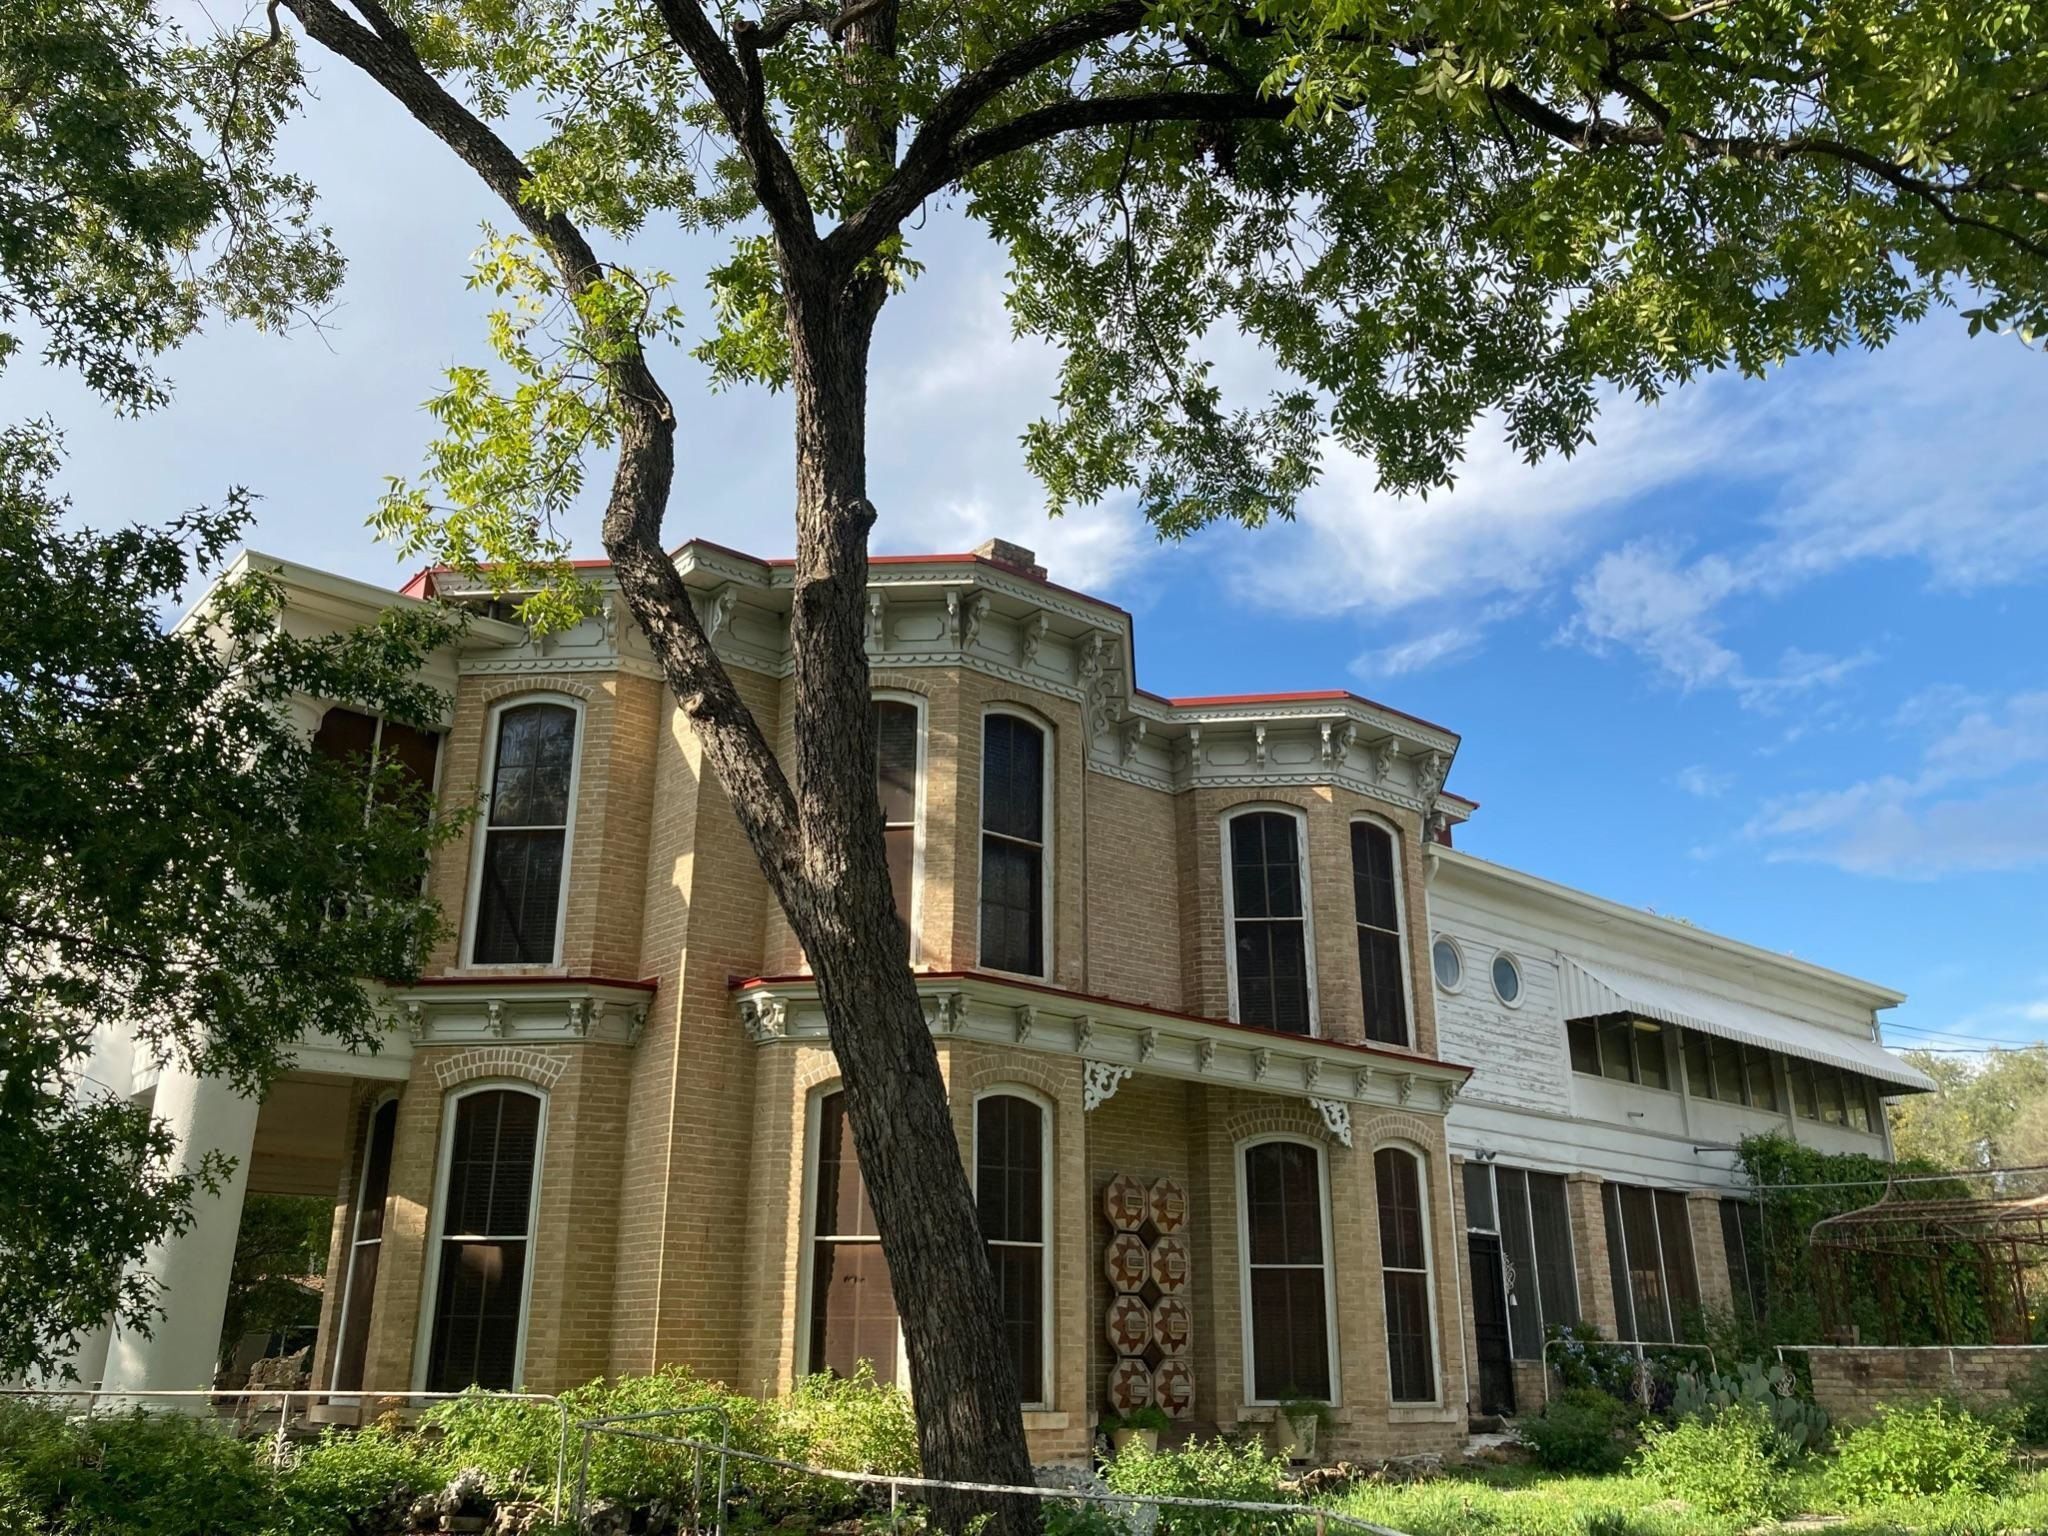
(353, 1484)
(512, 1443)
(2029, 1418)
(1203, 1469)
(1933, 1449)
(1582, 1430)
(1582, 1358)
(166, 1474)
(1724, 1462)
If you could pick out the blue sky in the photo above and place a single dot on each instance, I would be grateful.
(1772, 656)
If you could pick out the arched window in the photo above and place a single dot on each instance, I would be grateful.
(1404, 1266)
(1010, 1167)
(1266, 891)
(1376, 903)
(1288, 1309)
(853, 1305)
(1013, 837)
(366, 1246)
(490, 1175)
(520, 892)
(898, 762)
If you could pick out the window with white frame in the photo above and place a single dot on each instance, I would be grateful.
(525, 836)
(1266, 887)
(490, 1180)
(1288, 1308)
(365, 1248)
(1448, 961)
(1376, 904)
(1011, 1167)
(852, 1301)
(1404, 1269)
(1014, 793)
(899, 759)
(374, 743)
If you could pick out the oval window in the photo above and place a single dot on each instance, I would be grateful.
(1450, 969)
(1507, 979)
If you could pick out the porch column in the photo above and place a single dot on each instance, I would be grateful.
(191, 1270)
(1589, 1247)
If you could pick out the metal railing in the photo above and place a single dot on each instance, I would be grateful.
(1642, 1347)
(305, 1398)
(1322, 1520)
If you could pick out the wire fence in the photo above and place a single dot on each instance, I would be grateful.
(713, 1517)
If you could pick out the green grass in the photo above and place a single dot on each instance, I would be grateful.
(1522, 1501)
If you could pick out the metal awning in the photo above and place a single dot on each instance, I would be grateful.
(1592, 992)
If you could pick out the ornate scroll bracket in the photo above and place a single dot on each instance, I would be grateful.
(1031, 634)
(1099, 1082)
(718, 612)
(764, 1018)
(1336, 1118)
(964, 613)
(878, 620)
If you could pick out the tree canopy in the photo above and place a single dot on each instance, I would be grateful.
(175, 860)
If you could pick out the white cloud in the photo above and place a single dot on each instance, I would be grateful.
(1707, 783)
(1973, 804)
(1436, 648)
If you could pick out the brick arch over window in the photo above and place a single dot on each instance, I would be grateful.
(527, 1064)
(986, 1075)
(1282, 1118)
(901, 682)
(513, 687)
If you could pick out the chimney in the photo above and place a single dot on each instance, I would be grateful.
(1015, 556)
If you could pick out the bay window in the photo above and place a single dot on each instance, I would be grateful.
(525, 836)
(490, 1176)
(1404, 1270)
(1014, 784)
(1288, 1308)
(1266, 896)
(1376, 905)
(1010, 1171)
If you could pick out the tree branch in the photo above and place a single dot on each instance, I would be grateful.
(735, 87)
(923, 168)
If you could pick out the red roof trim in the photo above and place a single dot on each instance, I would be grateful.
(1313, 696)
(783, 562)
(740, 984)
(645, 984)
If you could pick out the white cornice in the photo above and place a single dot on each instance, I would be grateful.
(1117, 1039)
(517, 1010)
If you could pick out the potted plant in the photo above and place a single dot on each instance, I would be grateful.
(1298, 1424)
(1141, 1424)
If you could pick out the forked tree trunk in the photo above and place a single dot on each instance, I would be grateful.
(970, 1427)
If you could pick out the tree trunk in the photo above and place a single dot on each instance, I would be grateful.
(970, 1426)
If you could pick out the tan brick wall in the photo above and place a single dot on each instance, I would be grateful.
(1709, 1250)
(1589, 1251)
(1852, 1383)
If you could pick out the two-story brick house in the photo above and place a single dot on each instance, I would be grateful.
(1185, 962)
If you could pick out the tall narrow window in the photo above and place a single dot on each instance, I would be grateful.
(896, 754)
(486, 1226)
(1269, 925)
(853, 1304)
(526, 836)
(1651, 1261)
(1286, 1272)
(1404, 1266)
(366, 1245)
(1377, 906)
(1009, 1192)
(1013, 845)
(1518, 1243)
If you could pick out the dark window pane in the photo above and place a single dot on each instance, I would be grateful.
(899, 847)
(1736, 1249)
(346, 736)
(1379, 968)
(1284, 1203)
(1009, 1168)
(1681, 1276)
(476, 1317)
(853, 1305)
(1617, 1262)
(1728, 1079)
(1479, 1197)
(1013, 778)
(1615, 1060)
(1799, 1080)
(360, 1284)
(1699, 1065)
(1290, 1335)
(530, 778)
(1012, 906)
(491, 1165)
(1265, 865)
(1584, 1039)
(1645, 1264)
(1372, 876)
(413, 752)
(1651, 1068)
(493, 1150)
(377, 1172)
(1272, 976)
(1556, 1273)
(1827, 1084)
(1398, 1177)
(1856, 1101)
(1020, 1294)
(1760, 1069)
(1412, 1378)
(896, 759)
(520, 901)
